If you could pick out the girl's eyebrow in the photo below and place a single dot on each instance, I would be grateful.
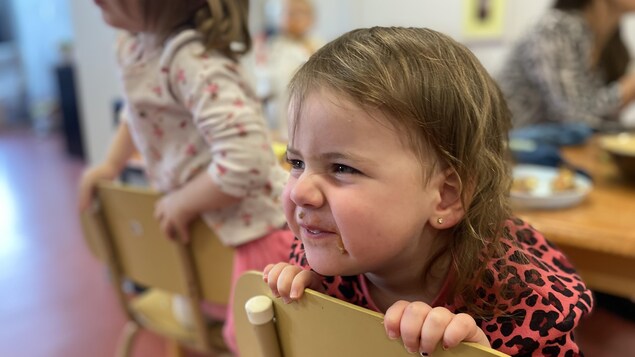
(292, 151)
(333, 156)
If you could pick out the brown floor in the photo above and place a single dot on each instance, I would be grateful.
(55, 299)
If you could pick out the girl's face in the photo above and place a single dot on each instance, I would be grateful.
(356, 195)
(297, 18)
(122, 14)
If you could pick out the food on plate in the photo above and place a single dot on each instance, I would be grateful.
(525, 184)
(564, 180)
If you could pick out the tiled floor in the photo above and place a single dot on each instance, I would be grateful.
(55, 299)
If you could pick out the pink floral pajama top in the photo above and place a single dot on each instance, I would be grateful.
(190, 111)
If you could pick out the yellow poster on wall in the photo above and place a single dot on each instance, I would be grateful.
(483, 19)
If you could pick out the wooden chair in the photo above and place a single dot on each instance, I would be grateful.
(317, 325)
(123, 233)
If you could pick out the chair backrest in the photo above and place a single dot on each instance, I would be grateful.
(319, 325)
(123, 233)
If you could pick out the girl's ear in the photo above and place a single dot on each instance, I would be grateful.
(449, 210)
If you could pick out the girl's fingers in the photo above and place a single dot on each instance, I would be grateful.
(288, 281)
(265, 272)
(167, 229)
(422, 327)
(158, 211)
(302, 280)
(433, 329)
(412, 322)
(272, 278)
(463, 328)
(285, 281)
(182, 231)
(392, 319)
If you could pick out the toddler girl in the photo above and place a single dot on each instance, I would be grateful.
(198, 126)
(398, 198)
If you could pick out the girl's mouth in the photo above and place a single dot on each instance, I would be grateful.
(311, 232)
(314, 231)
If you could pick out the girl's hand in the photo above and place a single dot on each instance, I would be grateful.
(422, 327)
(89, 181)
(289, 281)
(174, 215)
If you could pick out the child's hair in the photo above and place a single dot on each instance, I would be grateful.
(441, 100)
(223, 24)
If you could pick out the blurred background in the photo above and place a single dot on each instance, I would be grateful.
(58, 91)
(38, 38)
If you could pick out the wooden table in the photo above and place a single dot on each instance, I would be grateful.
(597, 235)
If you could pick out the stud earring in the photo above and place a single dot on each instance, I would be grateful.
(440, 220)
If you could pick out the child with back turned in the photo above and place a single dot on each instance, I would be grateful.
(398, 199)
(198, 126)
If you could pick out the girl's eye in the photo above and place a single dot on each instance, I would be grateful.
(343, 169)
(295, 164)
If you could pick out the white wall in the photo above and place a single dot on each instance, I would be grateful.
(444, 16)
(98, 83)
(40, 27)
(97, 80)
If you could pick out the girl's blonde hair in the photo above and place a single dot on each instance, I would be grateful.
(223, 24)
(442, 100)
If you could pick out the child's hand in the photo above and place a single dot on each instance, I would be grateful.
(89, 181)
(174, 216)
(422, 327)
(289, 281)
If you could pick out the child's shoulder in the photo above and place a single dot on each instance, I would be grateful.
(521, 239)
(530, 256)
(533, 275)
(186, 49)
(188, 44)
(536, 291)
(127, 48)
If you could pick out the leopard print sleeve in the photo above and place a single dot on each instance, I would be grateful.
(541, 297)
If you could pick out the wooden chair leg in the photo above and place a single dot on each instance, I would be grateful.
(175, 349)
(124, 347)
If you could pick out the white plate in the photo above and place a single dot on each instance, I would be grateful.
(542, 196)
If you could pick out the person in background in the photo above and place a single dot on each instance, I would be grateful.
(198, 127)
(398, 198)
(286, 51)
(571, 66)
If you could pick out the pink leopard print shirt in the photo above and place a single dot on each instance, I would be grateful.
(548, 298)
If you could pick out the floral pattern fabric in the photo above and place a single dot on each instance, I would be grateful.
(191, 111)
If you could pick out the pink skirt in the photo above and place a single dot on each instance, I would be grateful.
(275, 247)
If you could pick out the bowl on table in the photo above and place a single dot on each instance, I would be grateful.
(621, 147)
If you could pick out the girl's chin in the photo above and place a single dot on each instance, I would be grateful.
(329, 265)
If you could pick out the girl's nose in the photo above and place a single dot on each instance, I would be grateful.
(306, 191)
